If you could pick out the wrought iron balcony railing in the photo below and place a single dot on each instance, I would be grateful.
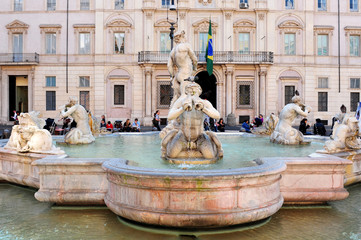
(19, 58)
(219, 57)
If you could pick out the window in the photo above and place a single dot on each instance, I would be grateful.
(203, 38)
(243, 39)
(355, 45)
(119, 94)
(322, 45)
(164, 94)
(50, 81)
(84, 5)
(165, 3)
(354, 82)
(17, 47)
(50, 43)
(243, 1)
(84, 43)
(245, 94)
(50, 100)
(51, 5)
(354, 100)
(290, 44)
(165, 42)
(119, 43)
(18, 5)
(353, 5)
(84, 99)
(289, 93)
(322, 101)
(322, 5)
(289, 4)
(323, 82)
(84, 81)
(119, 4)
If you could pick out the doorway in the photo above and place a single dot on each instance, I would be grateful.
(209, 87)
(18, 95)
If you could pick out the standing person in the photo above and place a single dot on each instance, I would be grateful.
(221, 125)
(303, 127)
(319, 128)
(15, 116)
(127, 126)
(215, 125)
(136, 126)
(156, 120)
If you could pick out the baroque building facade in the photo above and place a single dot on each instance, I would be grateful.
(112, 55)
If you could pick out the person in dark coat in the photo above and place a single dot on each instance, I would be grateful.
(319, 128)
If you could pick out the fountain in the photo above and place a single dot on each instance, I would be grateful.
(192, 194)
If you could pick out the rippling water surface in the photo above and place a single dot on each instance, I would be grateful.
(239, 151)
(23, 217)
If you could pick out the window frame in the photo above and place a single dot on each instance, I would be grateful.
(114, 39)
(114, 88)
(320, 82)
(353, 4)
(53, 43)
(159, 96)
(87, 80)
(87, 103)
(324, 7)
(249, 83)
(50, 81)
(290, 7)
(81, 5)
(354, 105)
(320, 102)
(52, 4)
(79, 43)
(121, 4)
(288, 53)
(359, 83)
(18, 5)
(322, 47)
(50, 104)
(352, 54)
(168, 41)
(249, 42)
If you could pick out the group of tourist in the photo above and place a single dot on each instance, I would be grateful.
(211, 124)
(318, 127)
(119, 127)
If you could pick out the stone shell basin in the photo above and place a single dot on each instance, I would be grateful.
(194, 198)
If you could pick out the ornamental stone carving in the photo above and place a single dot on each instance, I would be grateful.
(50, 28)
(203, 26)
(17, 26)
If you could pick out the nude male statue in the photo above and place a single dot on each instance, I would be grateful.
(284, 133)
(191, 140)
(184, 58)
(82, 133)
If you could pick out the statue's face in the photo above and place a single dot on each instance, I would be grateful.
(193, 90)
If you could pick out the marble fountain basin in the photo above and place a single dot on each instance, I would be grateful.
(192, 198)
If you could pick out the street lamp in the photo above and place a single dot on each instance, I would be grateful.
(172, 7)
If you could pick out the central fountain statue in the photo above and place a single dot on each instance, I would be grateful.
(184, 139)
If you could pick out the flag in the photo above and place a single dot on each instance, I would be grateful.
(209, 51)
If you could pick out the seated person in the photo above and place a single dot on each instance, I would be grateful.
(102, 124)
(221, 125)
(109, 126)
(319, 128)
(127, 126)
(246, 126)
(118, 126)
(258, 121)
(136, 126)
(303, 127)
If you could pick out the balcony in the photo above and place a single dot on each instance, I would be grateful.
(219, 57)
(19, 58)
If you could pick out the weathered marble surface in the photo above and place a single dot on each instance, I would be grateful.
(75, 181)
(284, 133)
(344, 136)
(189, 198)
(190, 140)
(353, 171)
(29, 136)
(268, 125)
(82, 133)
(315, 179)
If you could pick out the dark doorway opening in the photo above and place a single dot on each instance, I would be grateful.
(18, 95)
(209, 87)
